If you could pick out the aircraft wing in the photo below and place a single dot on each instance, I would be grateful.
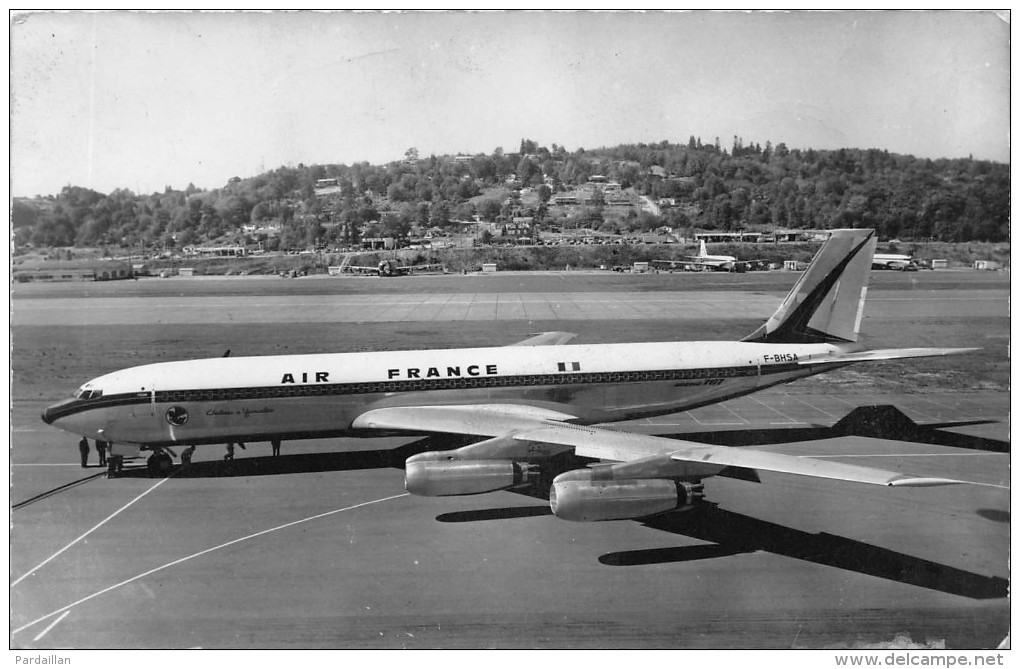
(522, 423)
(547, 339)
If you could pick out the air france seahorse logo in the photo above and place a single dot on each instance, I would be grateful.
(176, 415)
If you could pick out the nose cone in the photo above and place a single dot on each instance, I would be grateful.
(55, 411)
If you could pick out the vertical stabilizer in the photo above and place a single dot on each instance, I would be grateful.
(703, 250)
(827, 302)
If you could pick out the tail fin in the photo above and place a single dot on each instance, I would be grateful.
(703, 250)
(827, 302)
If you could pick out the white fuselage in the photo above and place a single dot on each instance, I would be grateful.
(304, 396)
(725, 262)
(891, 260)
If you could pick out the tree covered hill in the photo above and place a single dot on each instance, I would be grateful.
(701, 185)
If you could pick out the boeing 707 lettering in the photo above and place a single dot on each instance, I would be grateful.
(525, 404)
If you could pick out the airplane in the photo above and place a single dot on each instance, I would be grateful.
(391, 268)
(897, 261)
(705, 261)
(528, 404)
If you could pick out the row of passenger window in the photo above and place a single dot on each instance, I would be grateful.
(312, 390)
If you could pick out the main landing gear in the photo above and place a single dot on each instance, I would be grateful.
(159, 463)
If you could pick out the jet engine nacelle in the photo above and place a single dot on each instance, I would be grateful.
(434, 478)
(619, 499)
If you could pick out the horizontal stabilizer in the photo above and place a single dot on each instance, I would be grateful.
(886, 354)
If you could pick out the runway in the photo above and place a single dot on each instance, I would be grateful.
(321, 548)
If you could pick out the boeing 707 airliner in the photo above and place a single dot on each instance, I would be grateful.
(525, 404)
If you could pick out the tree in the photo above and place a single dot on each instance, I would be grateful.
(489, 209)
(439, 214)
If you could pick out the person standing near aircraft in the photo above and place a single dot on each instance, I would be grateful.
(230, 451)
(83, 448)
(186, 455)
(101, 450)
(276, 446)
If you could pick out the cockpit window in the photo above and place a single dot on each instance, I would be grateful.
(88, 393)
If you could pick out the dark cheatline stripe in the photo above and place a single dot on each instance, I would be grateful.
(415, 385)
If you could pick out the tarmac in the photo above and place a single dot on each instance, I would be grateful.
(499, 306)
(322, 548)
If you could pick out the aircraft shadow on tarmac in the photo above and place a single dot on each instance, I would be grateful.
(881, 421)
(733, 533)
(305, 463)
(505, 513)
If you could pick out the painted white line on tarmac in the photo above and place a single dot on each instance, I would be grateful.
(51, 626)
(789, 420)
(940, 299)
(695, 418)
(745, 421)
(899, 455)
(90, 531)
(808, 404)
(201, 553)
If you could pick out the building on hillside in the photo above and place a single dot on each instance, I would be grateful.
(712, 237)
(72, 270)
(232, 251)
(618, 199)
(379, 243)
(520, 228)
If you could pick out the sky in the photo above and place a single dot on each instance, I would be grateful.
(147, 100)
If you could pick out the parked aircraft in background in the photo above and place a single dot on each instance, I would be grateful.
(706, 261)
(895, 261)
(527, 404)
(391, 268)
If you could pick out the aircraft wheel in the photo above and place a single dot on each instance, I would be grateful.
(159, 464)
